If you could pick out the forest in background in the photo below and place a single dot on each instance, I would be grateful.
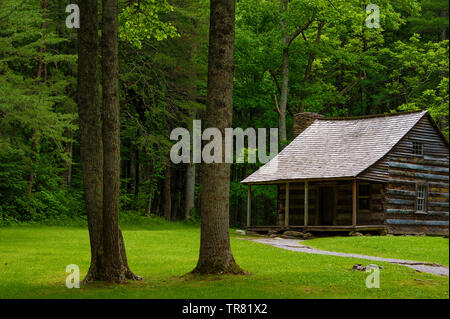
(334, 64)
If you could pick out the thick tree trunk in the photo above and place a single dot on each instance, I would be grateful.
(167, 195)
(113, 262)
(190, 191)
(215, 252)
(91, 144)
(100, 151)
(115, 259)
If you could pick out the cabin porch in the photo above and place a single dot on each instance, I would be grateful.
(380, 229)
(325, 206)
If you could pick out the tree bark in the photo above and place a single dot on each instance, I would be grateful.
(215, 252)
(190, 191)
(148, 210)
(284, 77)
(67, 174)
(91, 144)
(111, 142)
(167, 195)
(308, 70)
(100, 149)
(287, 40)
(115, 260)
(136, 172)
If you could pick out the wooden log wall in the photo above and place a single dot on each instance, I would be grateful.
(344, 203)
(376, 214)
(405, 171)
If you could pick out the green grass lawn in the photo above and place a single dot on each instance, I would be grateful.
(33, 260)
(416, 248)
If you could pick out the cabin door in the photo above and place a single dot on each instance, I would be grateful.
(326, 201)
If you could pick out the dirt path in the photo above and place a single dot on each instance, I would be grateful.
(295, 245)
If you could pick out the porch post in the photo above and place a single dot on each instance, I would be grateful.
(249, 205)
(306, 204)
(286, 207)
(354, 203)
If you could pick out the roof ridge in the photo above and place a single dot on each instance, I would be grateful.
(362, 117)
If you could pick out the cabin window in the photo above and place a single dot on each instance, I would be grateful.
(417, 148)
(364, 197)
(421, 198)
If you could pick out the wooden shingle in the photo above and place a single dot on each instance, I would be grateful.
(336, 148)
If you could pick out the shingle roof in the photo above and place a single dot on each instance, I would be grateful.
(337, 148)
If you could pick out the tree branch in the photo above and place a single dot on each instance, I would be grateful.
(276, 104)
(274, 76)
(352, 85)
(301, 28)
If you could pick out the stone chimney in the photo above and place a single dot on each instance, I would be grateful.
(303, 120)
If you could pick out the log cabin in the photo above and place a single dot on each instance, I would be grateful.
(381, 173)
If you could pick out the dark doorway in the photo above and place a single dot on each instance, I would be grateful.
(326, 200)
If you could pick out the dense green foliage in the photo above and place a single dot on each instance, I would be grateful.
(338, 66)
(34, 259)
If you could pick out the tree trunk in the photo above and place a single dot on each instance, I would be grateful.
(308, 70)
(115, 260)
(91, 144)
(284, 94)
(111, 143)
(148, 210)
(284, 77)
(39, 75)
(190, 191)
(215, 252)
(100, 151)
(167, 196)
(32, 161)
(136, 173)
(67, 174)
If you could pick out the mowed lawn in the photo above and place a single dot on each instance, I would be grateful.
(33, 261)
(416, 248)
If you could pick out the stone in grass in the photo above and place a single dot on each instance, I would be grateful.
(240, 232)
(292, 233)
(360, 267)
